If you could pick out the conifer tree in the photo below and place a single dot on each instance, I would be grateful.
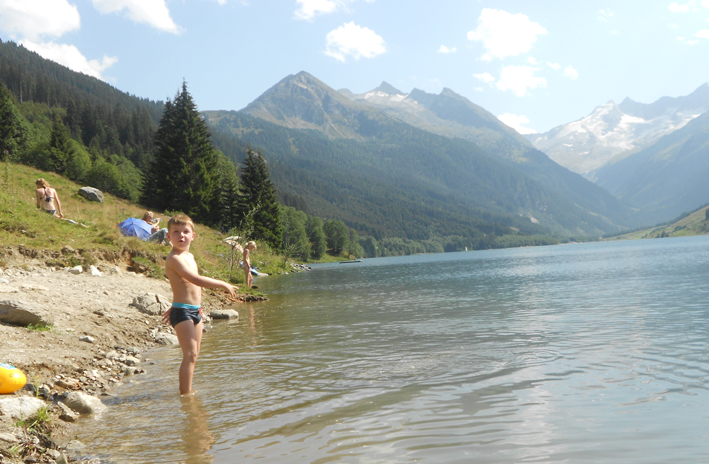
(257, 200)
(13, 130)
(61, 149)
(183, 174)
(316, 236)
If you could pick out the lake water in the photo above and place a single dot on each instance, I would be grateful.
(583, 353)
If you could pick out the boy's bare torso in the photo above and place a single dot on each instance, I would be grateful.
(183, 291)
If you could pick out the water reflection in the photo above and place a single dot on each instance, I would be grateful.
(197, 440)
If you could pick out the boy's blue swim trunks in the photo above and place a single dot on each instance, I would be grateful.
(181, 312)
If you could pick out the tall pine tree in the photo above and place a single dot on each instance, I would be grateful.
(257, 203)
(183, 175)
(13, 130)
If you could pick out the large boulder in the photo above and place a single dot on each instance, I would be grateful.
(92, 194)
(20, 407)
(21, 313)
(151, 303)
(83, 403)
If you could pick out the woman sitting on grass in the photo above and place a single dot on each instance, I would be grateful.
(47, 198)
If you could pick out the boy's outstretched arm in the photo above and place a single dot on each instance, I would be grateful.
(187, 273)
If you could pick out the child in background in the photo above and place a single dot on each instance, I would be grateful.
(185, 315)
(247, 262)
(47, 198)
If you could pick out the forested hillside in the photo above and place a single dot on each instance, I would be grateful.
(409, 183)
(114, 130)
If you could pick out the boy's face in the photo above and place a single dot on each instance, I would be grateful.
(181, 236)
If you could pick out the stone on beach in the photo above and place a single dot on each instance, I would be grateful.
(224, 314)
(23, 314)
(151, 303)
(20, 407)
(166, 339)
(83, 403)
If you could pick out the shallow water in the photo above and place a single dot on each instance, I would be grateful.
(579, 353)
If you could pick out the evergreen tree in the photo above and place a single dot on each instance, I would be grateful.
(257, 201)
(61, 148)
(229, 193)
(183, 175)
(13, 130)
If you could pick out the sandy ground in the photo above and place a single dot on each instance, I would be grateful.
(83, 306)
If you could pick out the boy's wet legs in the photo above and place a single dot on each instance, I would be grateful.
(190, 337)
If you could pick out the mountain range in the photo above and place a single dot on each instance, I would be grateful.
(613, 130)
(436, 147)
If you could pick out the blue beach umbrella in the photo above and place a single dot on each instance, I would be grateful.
(133, 227)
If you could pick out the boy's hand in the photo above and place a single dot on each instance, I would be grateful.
(230, 289)
(166, 317)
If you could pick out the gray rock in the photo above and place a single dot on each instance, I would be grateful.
(66, 413)
(87, 338)
(151, 303)
(76, 270)
(67, 250)
(4, 280)
(21, 313)
(224, 314)
(83, 403)
(166, 339)
(94, 271)
(69, 384)
(131, 370)
(131, 361)
(92, 194)
(8, 438)
(20, 407)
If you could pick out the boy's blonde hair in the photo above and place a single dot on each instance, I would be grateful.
(148, 215)
(180, 220)
(251, 245)
(42, 182)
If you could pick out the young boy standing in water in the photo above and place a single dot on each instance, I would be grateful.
(185, 315)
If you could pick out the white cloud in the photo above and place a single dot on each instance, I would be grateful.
(355, 41)
(703, 34)
(32, 19)
(485, 77)
(516, 122)
(445, 49)
(309, 8)
(519, 79)
(71, 57)
(531, 60)
(705, 3)
(605, 15)
(571, 73)
(504, 34)
(556, 66)
(152, 12)
(677, 8)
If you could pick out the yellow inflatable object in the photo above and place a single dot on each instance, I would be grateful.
(11, 378)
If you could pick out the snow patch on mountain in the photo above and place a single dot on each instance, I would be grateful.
(593, 141)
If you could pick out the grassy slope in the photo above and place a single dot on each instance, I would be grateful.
(21, 223)
(693, 224)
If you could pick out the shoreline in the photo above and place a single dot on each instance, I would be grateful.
(99, 324)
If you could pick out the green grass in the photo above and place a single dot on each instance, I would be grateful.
(36, 422)
(40, 327)
(96, 235)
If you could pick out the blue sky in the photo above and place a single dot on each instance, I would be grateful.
(534, 64)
